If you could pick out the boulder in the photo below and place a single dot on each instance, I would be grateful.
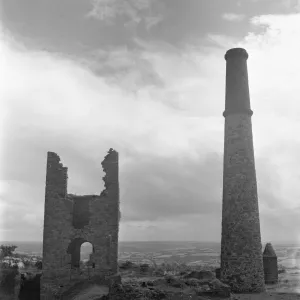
(174, 281)
(114, 279)
(126, 265)
(158, 272)
(144, 268)
(192, 282)
(158, 281)
(202, 275)
(130, 292)
(147, 283)
(219, 288)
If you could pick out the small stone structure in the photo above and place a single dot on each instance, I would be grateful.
(270, 264)
(218, 273)
(71, 220)
(241, 248)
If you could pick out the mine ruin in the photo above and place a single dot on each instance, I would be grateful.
(70, 220)
(241, 248)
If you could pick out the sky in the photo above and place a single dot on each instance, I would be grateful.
(147, 78)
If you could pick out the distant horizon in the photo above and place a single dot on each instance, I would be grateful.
(165, 241)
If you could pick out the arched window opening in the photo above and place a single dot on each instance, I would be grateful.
(86, 250)
(80, 251)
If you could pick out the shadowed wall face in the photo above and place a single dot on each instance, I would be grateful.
(241, 250)
(81, 212)
(270, 264)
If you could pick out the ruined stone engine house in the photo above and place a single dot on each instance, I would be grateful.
(71, 220)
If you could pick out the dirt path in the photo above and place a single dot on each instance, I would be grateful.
(92, 292)
(267, 296)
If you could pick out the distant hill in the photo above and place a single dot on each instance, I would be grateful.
(37, 247)
(145, 246)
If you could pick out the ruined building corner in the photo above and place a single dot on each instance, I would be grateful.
(110, 167)
(56, 175)
(73, 220)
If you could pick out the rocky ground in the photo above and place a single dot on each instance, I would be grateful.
(137, 283)
(195, 284)
(144, 290)
(142, 282)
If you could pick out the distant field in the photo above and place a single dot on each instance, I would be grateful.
(140, 247)
(169, 252)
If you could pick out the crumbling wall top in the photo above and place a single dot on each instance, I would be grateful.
(110, 167)
(53, 155)
(54, 158)
(56, 176)
(111, 156)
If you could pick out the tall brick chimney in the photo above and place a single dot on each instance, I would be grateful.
(241, 248)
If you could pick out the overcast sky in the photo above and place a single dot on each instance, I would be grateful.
(147, 77)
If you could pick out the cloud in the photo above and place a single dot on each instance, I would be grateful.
(171, 187)
(80, 116)
(153, 21)
(158, 20)
(124, 67)
(108, 10)
(233, 17)
(132, 13)
(169, 135)
(32, 219)
(222, 41)
(297, 5)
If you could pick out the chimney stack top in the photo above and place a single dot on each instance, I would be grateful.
(236, 52)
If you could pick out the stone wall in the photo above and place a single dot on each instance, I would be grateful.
(270, 264)
(241, 249)
(71, 220)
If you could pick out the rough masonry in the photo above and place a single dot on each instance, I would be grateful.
(270, 264)
(70, 220)
(241, 248)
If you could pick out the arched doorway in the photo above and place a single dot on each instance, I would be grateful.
(78, 253)
(86, 250)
